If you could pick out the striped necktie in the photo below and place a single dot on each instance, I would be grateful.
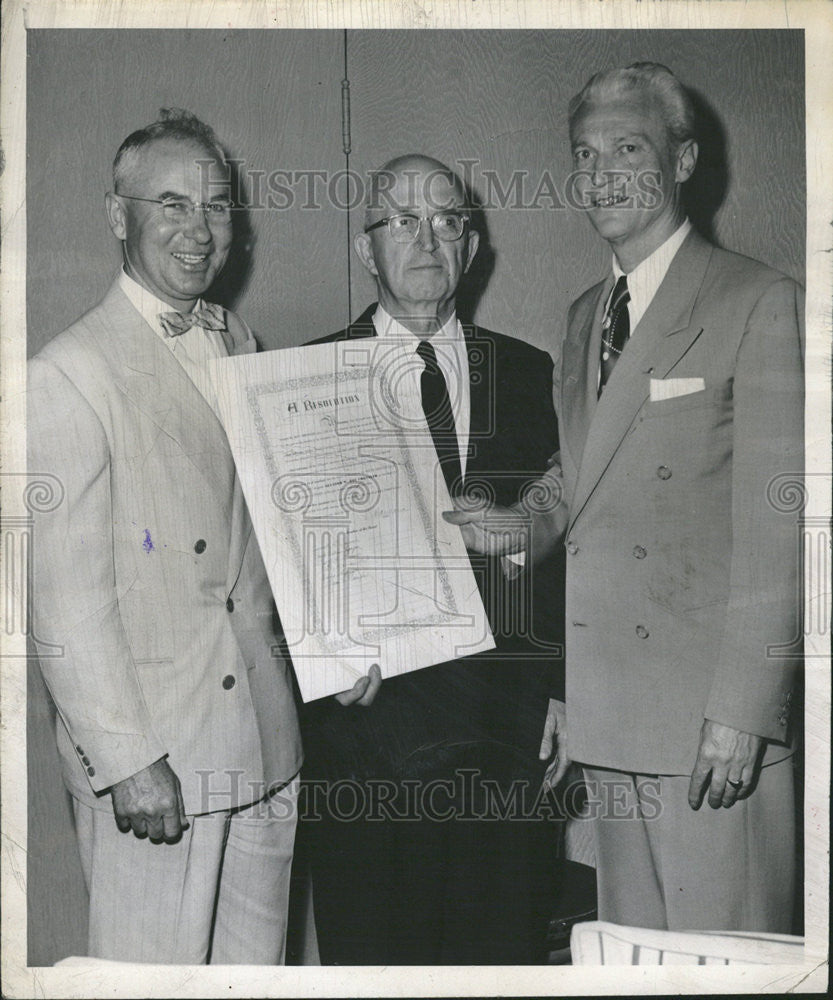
(615, 329)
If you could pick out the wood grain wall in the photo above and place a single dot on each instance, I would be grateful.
(274, 98)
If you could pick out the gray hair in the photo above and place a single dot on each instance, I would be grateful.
(173, 123)
(645, 79)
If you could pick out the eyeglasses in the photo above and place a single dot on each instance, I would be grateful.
(180, 211)
(404, 228)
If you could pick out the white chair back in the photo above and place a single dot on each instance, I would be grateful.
(600, 943)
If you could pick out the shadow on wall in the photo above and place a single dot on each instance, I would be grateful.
(477, 278)
(232, 282)
(704, 193)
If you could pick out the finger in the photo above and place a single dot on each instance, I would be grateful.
(734, 785)
(717, 786)
(183, 816)
(697, 785)
(139, 826)
(748, 778)
(172, 827)
(463, 516)
(122, 822)
(551, 779)
(355, 692)
(563, 762)
(155, 827)
(545, 752)
(374, 678)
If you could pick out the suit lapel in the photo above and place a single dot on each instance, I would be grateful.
(238, 340)
(482, 384)
(580, 353)
(154, 381)
(363, 327)
(660, 340)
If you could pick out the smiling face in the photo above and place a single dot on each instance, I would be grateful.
(629, 173)
(177, 262)
(417, 281)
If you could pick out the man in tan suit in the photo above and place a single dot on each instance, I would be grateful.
(176, 722)
(678, 389)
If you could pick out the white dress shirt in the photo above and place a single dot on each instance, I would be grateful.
(644, 280)
(646, 277)
(192, 349)
(453, 359)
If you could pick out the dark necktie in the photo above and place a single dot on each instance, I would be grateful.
(210, 317)
(440, 416)
(615, 330)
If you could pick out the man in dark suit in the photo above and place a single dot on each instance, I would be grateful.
(679, 390)
(412, 880)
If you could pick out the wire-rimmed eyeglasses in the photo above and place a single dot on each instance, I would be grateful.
(181, 210)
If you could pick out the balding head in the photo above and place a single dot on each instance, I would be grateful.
(412, 176)
(417, 275)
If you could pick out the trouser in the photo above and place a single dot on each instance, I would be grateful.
(430, 872)
(414, 859)
(219, 894)
(663, 865)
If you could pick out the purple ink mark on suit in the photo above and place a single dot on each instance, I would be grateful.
(147, 544)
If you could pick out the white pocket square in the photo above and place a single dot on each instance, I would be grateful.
(669, 388)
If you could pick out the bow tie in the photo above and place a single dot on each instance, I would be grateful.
(210, 317)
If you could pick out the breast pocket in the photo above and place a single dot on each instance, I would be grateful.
(690, 435)
(716, 395)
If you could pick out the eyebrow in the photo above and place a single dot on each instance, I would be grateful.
(432, 210)
(622, 137)
(632, 135)
(178, 196)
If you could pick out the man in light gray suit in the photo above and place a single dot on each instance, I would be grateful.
(678, 389)
(176, 725)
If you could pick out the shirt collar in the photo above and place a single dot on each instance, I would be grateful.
(389, 328)
(146, 303)
(647, 276)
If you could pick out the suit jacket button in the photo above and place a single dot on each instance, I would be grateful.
(572, 548)
(85, 761)
(642, 632)
(78, 750)
(639, 552)
(228, 682)
(91, 771)
(199, 546)
(229, 605)
(664, 472)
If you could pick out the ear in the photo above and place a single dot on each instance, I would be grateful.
(474, 243)
(116, 215)
(364, 248)
(686, 161)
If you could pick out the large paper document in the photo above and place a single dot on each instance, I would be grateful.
(344, 489)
